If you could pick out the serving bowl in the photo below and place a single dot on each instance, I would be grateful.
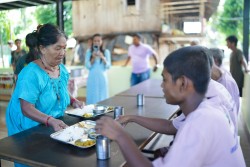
(92, 133)
(99, 110)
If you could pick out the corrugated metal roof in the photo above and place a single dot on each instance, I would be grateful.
(16, 4)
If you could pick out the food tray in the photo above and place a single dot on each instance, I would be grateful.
(87, 111)
(75, 133)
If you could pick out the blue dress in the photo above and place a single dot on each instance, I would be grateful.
(35, 86)
(97, 83)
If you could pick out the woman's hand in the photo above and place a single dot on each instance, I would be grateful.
(57, 124)
(93, 57)
(102, 57)
(108, 127)
(95, 54)
(77, 104)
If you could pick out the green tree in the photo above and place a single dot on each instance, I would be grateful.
(47, 14)
(231, 19)
(5, 33)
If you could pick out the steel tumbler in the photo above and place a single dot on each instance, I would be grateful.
(102, 147)
(140, 100)
(119, 110)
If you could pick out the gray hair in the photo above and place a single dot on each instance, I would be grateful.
(218, 55)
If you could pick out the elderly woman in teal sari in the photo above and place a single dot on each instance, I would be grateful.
(41, 94)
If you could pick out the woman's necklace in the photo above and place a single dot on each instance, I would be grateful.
(57, 92)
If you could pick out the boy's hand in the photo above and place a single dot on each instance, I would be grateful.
(108, 127)
(124, 120)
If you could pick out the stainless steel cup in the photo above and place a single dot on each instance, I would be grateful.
(140, 100)
(102, 147)
(119, 110)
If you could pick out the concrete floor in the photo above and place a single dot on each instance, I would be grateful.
(244, 136)
(3, 130)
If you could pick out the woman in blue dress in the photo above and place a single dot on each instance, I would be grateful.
(97, 61)
(41, 94)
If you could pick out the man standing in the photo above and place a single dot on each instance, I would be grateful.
(15, 55)
(237, 60)
(139, 54)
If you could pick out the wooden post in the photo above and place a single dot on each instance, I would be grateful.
(246, 29)
(202, 10)
(59, 16)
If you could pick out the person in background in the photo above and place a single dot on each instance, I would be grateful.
(194, 42)
(41, 94)
(223, 77)
(97, 61)
(237, 61)
(33, 54)
(11, 45)
(16, 54)
(139, 54)
(186, 76)
(218, 57)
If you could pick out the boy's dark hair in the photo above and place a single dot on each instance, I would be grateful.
(137, 35)
(191, 62)
(217, 54)
(232, 39)
(18, 40)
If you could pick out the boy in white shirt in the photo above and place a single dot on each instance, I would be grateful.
(224, 77)
(205, 138)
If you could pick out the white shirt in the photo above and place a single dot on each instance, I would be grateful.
(218, 96)
(204, 140)
(230, 84)
(140, 57)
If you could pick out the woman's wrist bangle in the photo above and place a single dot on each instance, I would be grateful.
(47, 121)
(72, 100)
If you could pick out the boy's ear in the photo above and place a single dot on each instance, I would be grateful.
(182, 83)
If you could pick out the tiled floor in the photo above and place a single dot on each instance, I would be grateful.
(244, 137)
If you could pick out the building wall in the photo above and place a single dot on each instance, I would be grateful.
(114, 16)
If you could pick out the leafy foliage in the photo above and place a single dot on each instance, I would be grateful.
(231, 19)
(47, 14)
(5, 32)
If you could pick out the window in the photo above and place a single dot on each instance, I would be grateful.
(131, 2)
(192, 27)
(131, 7)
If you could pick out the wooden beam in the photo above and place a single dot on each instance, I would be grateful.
(17, 5)
(3, 7)
(188, 18)
(31, 2)
(183, 2)
(48, 1)
(180, 7)
(182, 11)
(8, 6)
(7, 1)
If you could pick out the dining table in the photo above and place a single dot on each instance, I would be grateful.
(149, 88)
(35, 147)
